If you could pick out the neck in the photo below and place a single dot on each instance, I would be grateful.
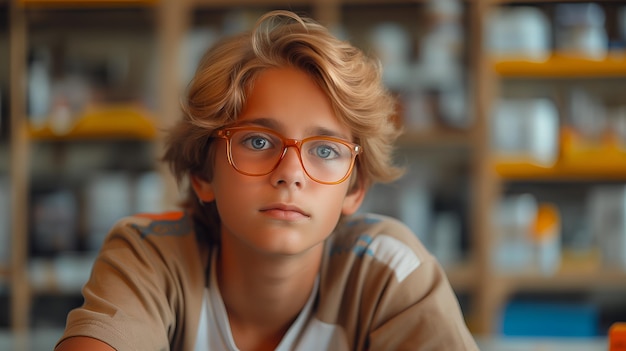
(263, 294)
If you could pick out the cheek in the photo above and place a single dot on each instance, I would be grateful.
(331, 202)
(226, 181)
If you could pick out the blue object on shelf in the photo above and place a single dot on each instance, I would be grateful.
(550, 319)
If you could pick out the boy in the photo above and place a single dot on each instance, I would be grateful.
(284, 129)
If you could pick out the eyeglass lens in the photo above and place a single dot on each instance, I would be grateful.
(256, 152)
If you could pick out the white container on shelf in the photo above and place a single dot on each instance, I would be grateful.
(526, 129)
(607, 219)
(513, 250)
(580, 29)
(522, 32)
(587, 113)
(391, 44)
(39, 88)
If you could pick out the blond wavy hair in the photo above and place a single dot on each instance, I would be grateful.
(217, 95)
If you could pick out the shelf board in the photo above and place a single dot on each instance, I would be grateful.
(4, 272)
(63, 275)
(234, 3)
(258, 3)
(564, 66)
(435, 137)
(504, 2)
(530, 282)
(580, 170)
(87, 3)
(108, 122)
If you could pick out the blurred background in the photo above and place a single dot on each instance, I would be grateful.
(515, 144)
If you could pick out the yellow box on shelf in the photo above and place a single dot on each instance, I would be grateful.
(580, 159)
(561, 65)
(124, 121)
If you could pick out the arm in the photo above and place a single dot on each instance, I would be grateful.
(80, 343)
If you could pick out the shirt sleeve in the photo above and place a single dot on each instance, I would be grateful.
(420, 313)
(128, 298)
(396, 296)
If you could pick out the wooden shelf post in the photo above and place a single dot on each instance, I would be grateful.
(19, 169)
(484, 180)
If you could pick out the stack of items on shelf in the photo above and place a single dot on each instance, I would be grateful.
(525, 32)
(596, 130)
(72, 237)
(528, 236)
(66, 86)
(607, 218)
(430, 83)
(519, 32)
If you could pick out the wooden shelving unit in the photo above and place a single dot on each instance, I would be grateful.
(476, 276)
(578, 161)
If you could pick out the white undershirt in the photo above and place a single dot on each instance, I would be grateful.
(305, 334)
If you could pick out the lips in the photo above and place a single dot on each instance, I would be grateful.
(284, 211)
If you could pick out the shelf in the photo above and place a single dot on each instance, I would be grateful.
(87, 3)
(110, 122)
(579, 159)
(257, 3)
(531, 282)
(4, 272)
(64, 274)
(435, 137)
(564, 66)
(537, 2)
(235, 3)
(581, 170)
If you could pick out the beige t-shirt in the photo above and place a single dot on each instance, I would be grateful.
(378, 287)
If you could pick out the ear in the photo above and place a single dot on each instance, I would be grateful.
(353, 199)
(203, 189)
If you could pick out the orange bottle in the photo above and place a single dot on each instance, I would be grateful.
(617, 336)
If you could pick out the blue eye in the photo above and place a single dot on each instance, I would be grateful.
(325, 152)
(258, 143)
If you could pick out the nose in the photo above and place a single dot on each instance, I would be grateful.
(289, 170)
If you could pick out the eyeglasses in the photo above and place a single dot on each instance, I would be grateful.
(256, 151)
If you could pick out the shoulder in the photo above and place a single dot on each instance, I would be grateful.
(385, 240)
(168, 234)
(175, 223)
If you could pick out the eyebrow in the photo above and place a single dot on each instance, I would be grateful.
(276, 126)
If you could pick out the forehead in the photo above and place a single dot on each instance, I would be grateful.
(290, 101)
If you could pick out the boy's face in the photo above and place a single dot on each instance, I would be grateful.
(284, 212)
